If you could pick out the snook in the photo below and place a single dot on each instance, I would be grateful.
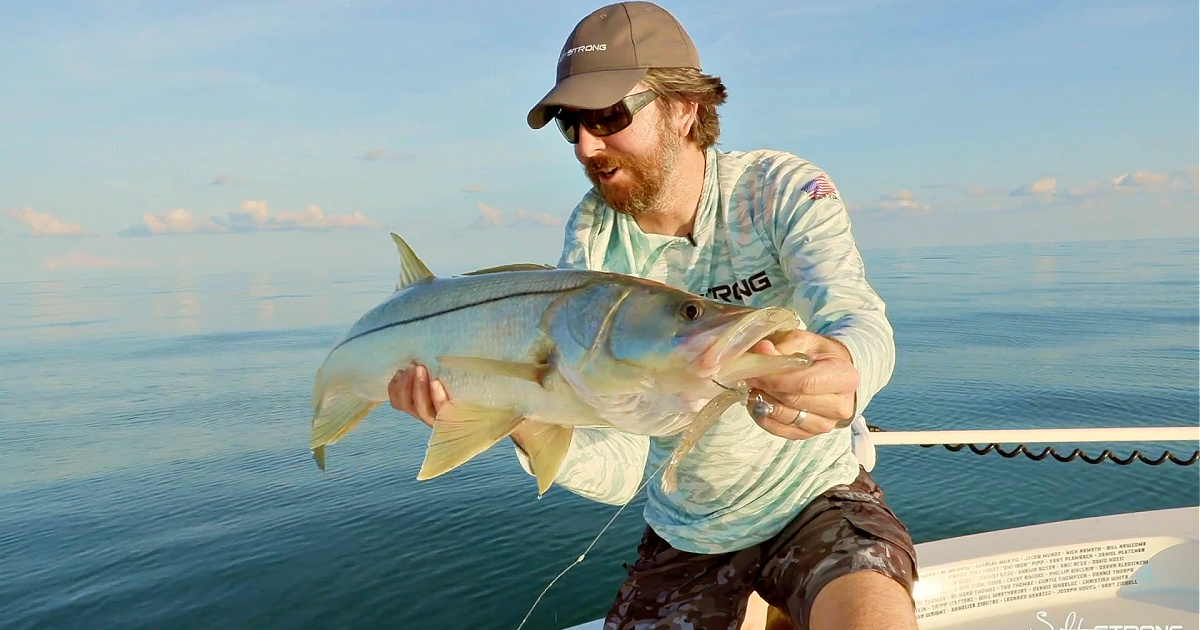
(537, 351)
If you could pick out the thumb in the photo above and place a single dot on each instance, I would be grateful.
(765, 347)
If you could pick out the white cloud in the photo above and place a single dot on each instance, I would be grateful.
(1138, 182)
(177, 221)
(254, 215)
(475, 188)
(375, 155)
(543, 218)
(251, 216)
(1174, 189)
(1042, 187)
(1156, 182)
(1191, 174)
(225, 179)
(313, 218)
(488, 215)
(44, 224)
(898, 203)
(1141, 178)
(899, 195)
(979, 191)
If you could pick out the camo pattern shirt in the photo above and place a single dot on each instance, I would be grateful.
(770, 230)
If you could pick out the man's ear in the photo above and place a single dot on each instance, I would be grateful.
(688, 117)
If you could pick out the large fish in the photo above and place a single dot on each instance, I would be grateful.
(537, 351)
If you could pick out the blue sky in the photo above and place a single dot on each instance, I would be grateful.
(144, 137)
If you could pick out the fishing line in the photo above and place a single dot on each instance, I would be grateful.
(578, 560)
(649, 478)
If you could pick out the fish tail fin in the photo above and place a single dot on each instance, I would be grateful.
(337, 411)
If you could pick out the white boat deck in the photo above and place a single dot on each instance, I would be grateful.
(1134, 571)
(1124, 570)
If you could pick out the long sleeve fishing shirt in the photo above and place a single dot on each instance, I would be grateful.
(770, 230)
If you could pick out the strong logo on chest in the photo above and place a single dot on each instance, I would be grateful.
(740, 289)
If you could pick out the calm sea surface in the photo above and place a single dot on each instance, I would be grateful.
(156, 472)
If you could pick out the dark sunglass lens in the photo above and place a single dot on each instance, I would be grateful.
(607, 121)
(567, 124)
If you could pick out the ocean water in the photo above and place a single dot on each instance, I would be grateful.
(156, 471)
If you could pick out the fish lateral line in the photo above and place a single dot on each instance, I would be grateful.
(455, 309)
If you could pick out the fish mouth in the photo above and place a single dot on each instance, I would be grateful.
(741, 334)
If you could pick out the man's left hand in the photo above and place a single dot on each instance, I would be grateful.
(809, 401)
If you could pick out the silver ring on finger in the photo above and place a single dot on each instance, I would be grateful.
(801, 416)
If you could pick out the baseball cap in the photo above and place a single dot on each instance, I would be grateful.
(609, 51)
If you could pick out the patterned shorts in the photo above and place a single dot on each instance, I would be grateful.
(843, 530)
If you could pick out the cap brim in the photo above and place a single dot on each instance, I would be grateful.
(588, 90)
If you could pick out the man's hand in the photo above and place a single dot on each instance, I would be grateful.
(411, 391)
(810, 401)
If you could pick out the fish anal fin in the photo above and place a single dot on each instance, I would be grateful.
(412, 270)
(338, 411)
(463, 430)
(546, 445)
(533, 372)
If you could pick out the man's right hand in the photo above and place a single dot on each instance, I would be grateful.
(412, 392)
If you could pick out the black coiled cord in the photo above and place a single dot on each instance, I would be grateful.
(1107, 455)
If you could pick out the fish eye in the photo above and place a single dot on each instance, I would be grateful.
(691, 310)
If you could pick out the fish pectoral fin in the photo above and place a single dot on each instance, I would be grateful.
(338, 411)
(412, 270)
(546, 445)
(462, 431)
(534, 372)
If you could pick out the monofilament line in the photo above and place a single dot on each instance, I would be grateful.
(593, 544)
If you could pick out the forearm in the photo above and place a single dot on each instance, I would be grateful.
(833, 295)
(849, 311)
(869, 340)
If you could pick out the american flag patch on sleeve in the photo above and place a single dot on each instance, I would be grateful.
(819, 188)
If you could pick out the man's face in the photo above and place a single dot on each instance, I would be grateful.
(629, 168)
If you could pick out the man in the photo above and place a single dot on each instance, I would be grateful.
(772, 499)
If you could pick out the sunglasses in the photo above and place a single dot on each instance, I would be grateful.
(602, 122)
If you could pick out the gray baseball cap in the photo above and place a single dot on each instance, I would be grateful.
(609, 52)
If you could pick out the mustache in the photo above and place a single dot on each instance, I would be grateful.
(596, 165)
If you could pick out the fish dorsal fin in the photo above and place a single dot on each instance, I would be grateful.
(412, 270)
(514, 267)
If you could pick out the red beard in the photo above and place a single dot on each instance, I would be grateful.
(642, 176)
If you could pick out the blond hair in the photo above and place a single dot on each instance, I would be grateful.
(688, 85)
